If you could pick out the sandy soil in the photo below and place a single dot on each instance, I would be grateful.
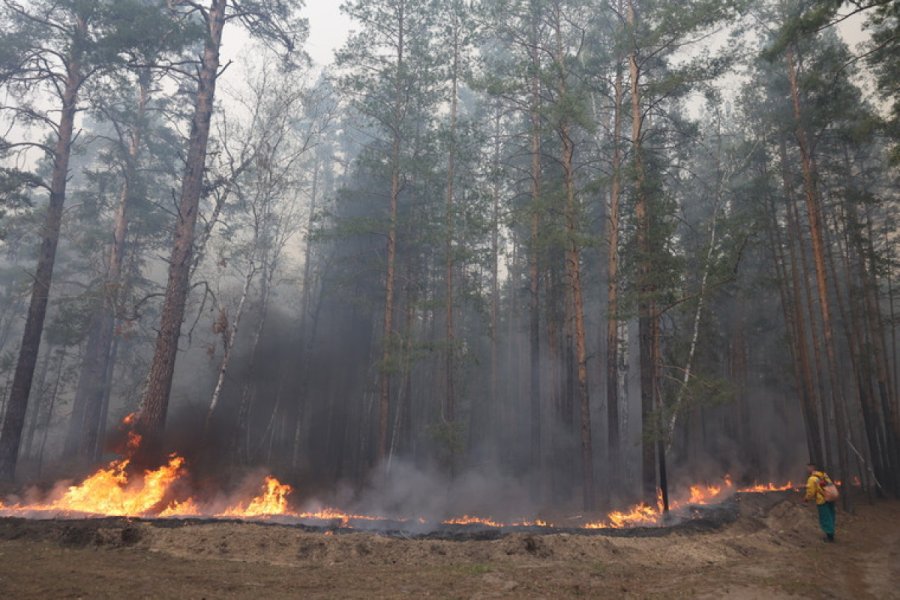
(774, 550)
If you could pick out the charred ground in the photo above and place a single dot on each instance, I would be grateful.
(771, 548)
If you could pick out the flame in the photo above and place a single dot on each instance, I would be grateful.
(273, 501)
(112, 492)
(639, 515)
(187, 508)
(469, 520)
(134, 442)
(704, 494)
(767, 487)
(116, 491)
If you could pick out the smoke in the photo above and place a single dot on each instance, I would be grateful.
(409, 491)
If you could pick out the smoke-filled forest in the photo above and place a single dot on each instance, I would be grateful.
(508, 259)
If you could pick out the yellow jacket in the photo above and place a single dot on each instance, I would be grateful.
(814, 486)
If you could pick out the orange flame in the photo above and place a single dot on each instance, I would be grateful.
(273, 501)
(112, 492)
(469, 520)
(187, 508)
(767, 487)
(639, 515)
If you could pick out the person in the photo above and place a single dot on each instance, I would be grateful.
(827, 514)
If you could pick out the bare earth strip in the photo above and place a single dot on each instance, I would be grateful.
(772, 551)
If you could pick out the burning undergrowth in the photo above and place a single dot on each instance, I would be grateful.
(406, 502)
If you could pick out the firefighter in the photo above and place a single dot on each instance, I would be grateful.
(821, 488)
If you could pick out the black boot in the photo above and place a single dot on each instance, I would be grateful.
(829, 537)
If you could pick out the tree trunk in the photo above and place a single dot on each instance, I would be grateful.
(573, 274)
(646, 302)
(854, 332)
(494, 421)
(813, 402)
(876, 332)
(229, 334)
(797, 338)
(302, 400)
(534, 342)
(450, 400)
(612, 289)
(17, 404)
(387, 333)
(815, 230)
(155, 401)
(249, 389)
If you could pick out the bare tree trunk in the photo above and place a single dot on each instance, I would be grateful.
(155, 401)
(573, 262)
(450, 401)
(889, 271)
(698, 313)
(306, 284)
(384, 396)
(533, 251)
(646, 303)
(793, 319)
(815, 230)
(877, 327)
(17, 404)
(573, 274)
(249, 390)
(612, 288)
(495, 278)
(859, 359)
(802, 282)
(230, 330)
(387, 334)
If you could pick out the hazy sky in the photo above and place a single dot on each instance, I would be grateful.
(328, 29)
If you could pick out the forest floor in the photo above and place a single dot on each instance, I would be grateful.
(773, 550)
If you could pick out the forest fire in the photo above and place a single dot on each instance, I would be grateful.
(112, 492)
(116, 491)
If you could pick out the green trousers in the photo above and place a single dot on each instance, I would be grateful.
(827, 517)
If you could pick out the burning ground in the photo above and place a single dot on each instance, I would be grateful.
(127, 532)
(771, 549)
(123, 490)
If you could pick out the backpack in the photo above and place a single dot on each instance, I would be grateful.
(829, 490)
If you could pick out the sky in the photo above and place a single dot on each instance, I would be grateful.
(328, 28)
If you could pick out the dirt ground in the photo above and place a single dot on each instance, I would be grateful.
(774, 550)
